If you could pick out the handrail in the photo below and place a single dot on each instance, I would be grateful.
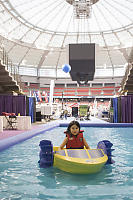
(127, 73)
(13, 70)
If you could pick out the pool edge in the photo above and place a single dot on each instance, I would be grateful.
(11, 141)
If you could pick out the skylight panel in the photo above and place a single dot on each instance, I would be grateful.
(98, 39)
(43, 40)
(111, 39)
(30, 36)
(56, 41)
(70, 39)
(18, 32)
(131, 30)
(125, 38)
(4, 16)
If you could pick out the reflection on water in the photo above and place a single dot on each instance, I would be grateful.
(57, 178)
(100, 185)
(21, 177)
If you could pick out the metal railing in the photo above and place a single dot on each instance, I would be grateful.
(13, 70)
(125, 78)
(127, 73)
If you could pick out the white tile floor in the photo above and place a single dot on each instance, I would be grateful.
(92, 120)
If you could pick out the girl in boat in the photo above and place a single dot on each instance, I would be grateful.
(74, 137)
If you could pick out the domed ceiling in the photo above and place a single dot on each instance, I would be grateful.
(35, 34)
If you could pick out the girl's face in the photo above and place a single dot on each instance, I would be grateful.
(74, 129)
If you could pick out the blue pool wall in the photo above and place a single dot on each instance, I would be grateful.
(11, 141)
(111, 125)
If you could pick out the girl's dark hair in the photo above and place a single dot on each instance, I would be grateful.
(71, 124)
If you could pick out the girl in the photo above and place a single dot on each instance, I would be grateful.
(74, 137)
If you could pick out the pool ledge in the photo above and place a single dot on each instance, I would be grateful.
(8, 142)
(111, 125)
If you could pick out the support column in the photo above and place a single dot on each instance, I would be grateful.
(51, 91)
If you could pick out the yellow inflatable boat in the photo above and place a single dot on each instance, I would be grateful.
(79, 161)
(76, 161)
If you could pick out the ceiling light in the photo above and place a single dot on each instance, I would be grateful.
(82, 8)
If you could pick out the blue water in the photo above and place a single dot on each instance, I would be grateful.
(21, 177)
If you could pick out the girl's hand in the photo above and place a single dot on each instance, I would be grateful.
(64, 143)
(85, 143)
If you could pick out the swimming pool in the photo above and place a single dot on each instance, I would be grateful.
(21, 177)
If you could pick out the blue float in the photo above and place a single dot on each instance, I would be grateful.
(46, 154)
(66, 68)
(106, 145)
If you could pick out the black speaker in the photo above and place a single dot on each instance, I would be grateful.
(82, 61)
(75, 111)
(38, 116)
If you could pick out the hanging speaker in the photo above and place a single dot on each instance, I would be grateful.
(81, 58)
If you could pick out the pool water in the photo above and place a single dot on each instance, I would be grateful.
(21, 177)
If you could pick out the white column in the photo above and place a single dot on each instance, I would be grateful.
(51, 91)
